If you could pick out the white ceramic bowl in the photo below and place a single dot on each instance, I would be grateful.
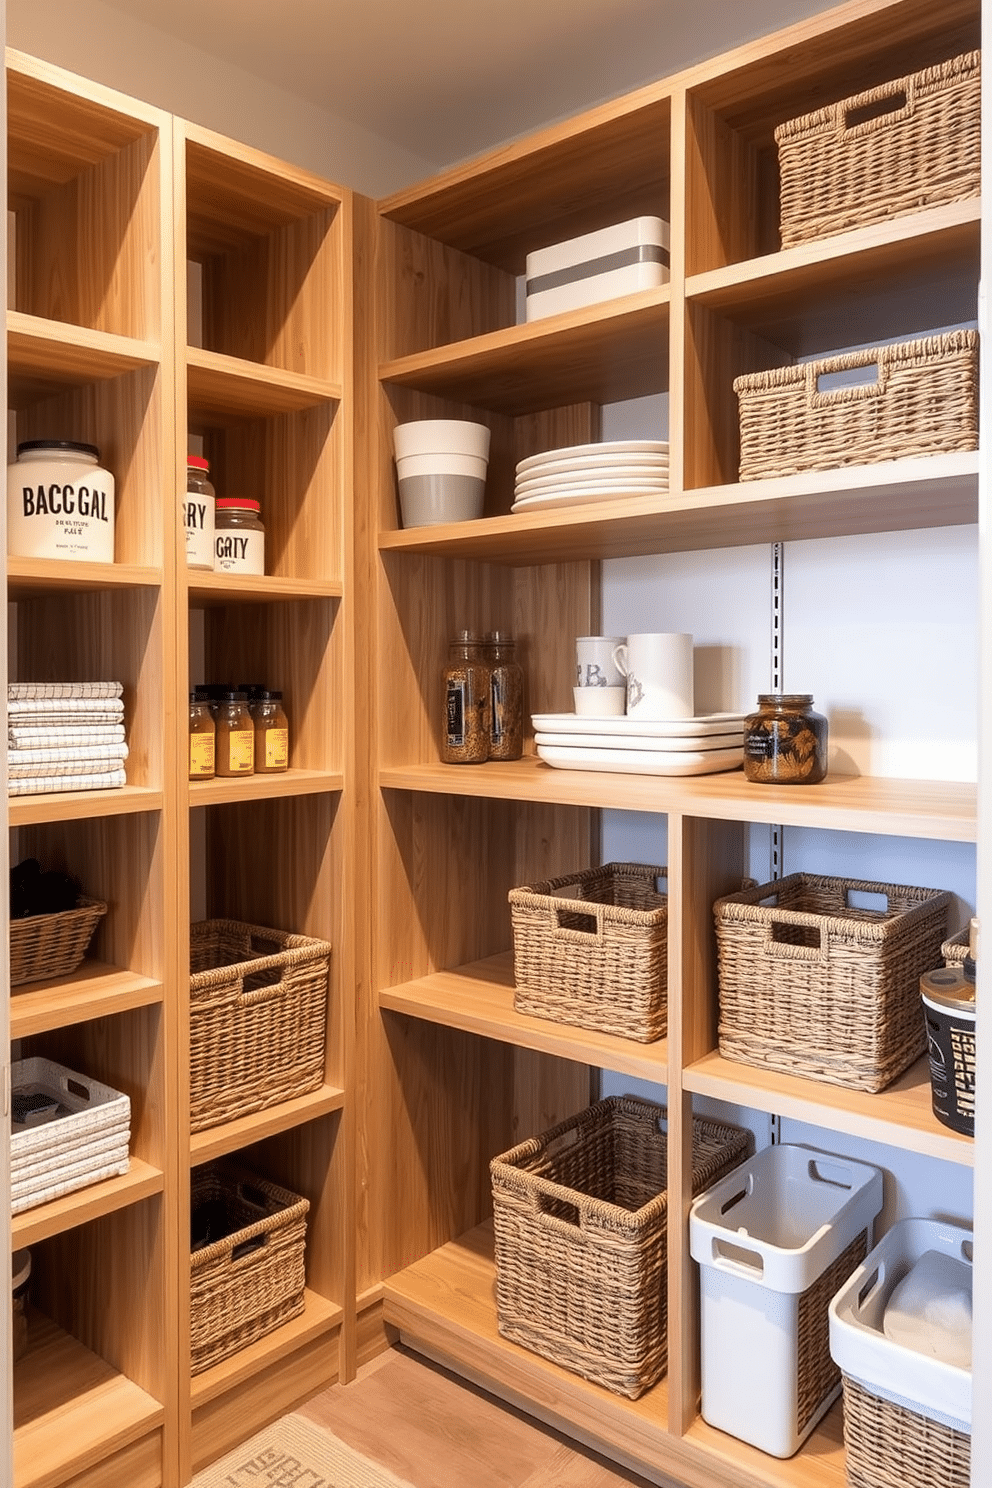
(600, 702)
(441, 436)
(408, 466)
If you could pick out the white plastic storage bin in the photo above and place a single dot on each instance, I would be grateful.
(907, 1409)
(774, 1240)
(598, 266)
(67, 1131)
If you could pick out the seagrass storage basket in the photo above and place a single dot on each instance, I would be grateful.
(580, 1217)
(247, 1260)
(590, 949)
(922, 401)
(909, 144)
(52, 945)
(813, 983)
(908, 1411)
(258, 1012)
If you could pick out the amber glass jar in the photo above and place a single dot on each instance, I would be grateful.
(239, 536)
(506, 698)
(785, 742)
(465, 725)
(202, 739)
(271, 734)
(235, 736)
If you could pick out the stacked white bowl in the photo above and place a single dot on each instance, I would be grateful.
(441, 469)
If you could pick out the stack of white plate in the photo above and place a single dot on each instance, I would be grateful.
(591, 472)
(632, 746)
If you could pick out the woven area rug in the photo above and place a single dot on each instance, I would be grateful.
(294, 1453)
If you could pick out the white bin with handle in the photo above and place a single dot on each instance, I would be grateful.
(775, 1239)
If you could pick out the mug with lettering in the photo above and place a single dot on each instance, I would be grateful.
(594, 664)
(658, 668)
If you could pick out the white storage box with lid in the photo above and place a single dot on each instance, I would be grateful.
(67, 1131)
(597, 266)
(774, 1240)
(907, 1413)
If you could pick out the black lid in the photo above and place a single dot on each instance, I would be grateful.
(234, 697)
(58, 444)
(270, 697)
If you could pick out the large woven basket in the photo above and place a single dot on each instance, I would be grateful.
(52, 945)
(590, 949)
(923, 401)
(910, 144)
(251, 1278)
(258, 1013)
(580, 1218)
(813, 985)
(890, 1446)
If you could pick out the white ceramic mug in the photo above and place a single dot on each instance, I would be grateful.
(658, 668)
(594, 664)
(600, 702)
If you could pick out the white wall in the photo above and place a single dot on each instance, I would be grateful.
(89, 38)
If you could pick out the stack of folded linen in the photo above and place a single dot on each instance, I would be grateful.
(64, 736)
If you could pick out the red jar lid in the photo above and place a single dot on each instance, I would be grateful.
(240, 501)
(197, 463)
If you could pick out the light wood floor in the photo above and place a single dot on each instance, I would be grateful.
(436, 1431)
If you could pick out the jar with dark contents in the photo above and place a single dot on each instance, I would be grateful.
(202, 738)
(235, 751)
(506, 734)
(465, 725)
(271, 733)
(785, 741)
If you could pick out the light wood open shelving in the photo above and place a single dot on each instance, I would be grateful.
(454, 1073)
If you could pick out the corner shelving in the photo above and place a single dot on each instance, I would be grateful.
(454, 1074)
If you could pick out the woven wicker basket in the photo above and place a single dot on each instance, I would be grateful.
(52, 945)
(812, 986)
(924, 401)
(907, 145)
(258, 1011)
(590, 949)
(891, 1446)
(580, 1217)
(250, 1279)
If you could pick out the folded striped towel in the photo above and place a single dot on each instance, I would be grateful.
(44, 785)
(45, 690)
(63, 768)
(46, 736)
(95, 709)
(57, 755)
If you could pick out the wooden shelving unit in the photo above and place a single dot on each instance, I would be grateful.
(453, 1073)
(266, 401)
(90, 357)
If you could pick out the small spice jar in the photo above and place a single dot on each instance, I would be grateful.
(198, 514)
(202, 738)
(467, 707)
(785, 741)
(235, 736)
(60, 502)
(271, 734)
(506, 689)
(239, 536)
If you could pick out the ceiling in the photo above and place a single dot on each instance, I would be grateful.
(448, 78)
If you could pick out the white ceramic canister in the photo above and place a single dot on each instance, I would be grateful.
(60, 502)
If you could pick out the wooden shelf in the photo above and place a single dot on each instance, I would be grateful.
(73, 1412)
(319, 1318)
(28, 578)
(942, 810)
(604, 354)
(216, 1141)
(23, 811)
(931, 491)
(479, 999)
(226, 388)
(900, 1116)
(222, 790)
(95, 990)
(210, 589)
(138, 1183)
(44, 357)
(445, 1307)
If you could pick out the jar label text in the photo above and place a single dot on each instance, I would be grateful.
(55, 501)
